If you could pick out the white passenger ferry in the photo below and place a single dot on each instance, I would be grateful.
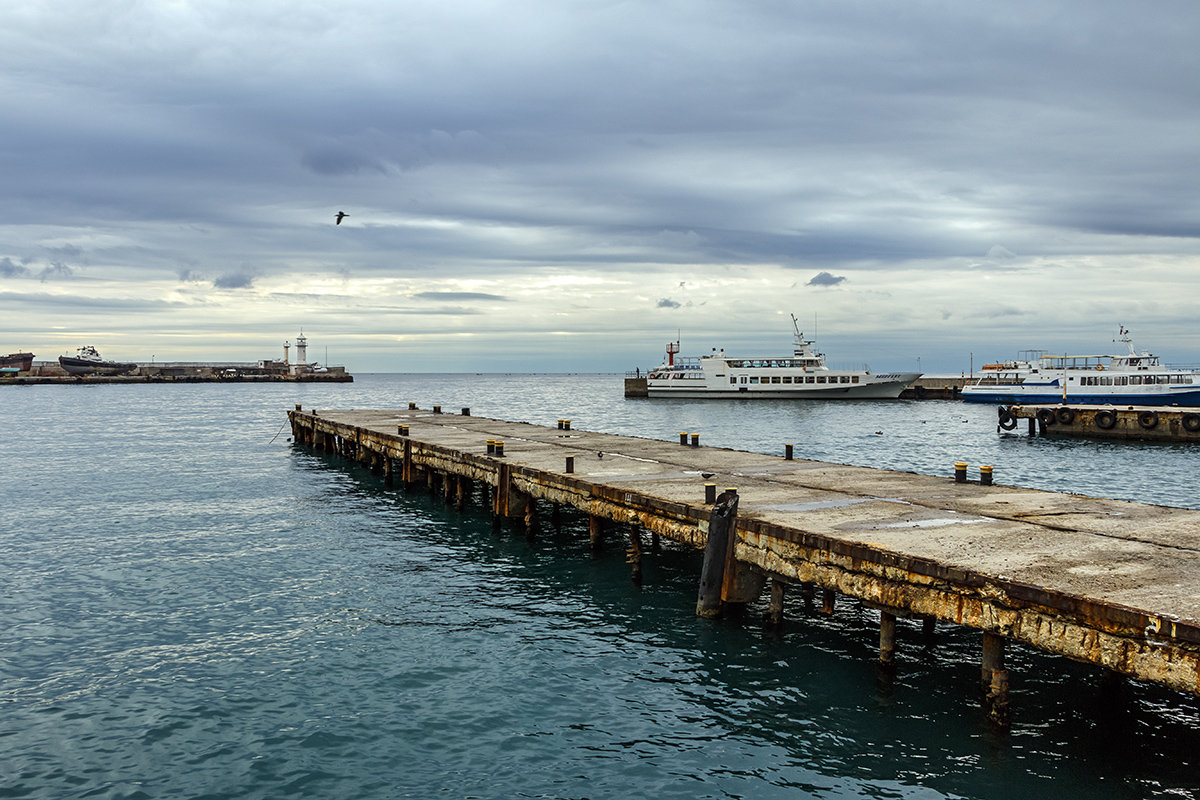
(803, 375)
(1133, 378)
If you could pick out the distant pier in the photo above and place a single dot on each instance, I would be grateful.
(1106, 582)
(1148, 423)
(211, 377)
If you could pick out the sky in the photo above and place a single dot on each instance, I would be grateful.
(569, 185)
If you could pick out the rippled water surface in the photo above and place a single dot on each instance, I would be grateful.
(195, 609)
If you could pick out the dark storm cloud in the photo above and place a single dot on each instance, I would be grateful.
(825, 279)
(10, 270)
(234, 280)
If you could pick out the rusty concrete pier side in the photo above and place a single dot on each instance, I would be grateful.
(1106, 582)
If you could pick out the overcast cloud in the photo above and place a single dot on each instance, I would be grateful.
(565, 185)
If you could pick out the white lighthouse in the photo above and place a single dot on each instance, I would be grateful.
(301, 364)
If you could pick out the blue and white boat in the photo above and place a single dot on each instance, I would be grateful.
(1133, 378)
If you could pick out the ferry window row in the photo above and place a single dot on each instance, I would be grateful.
(1132, 380)
(748, 363)
(799, 379)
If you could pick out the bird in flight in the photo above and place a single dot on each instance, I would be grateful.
(340, 216)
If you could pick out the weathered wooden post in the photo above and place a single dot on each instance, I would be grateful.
(387, 472)
(462, 489)
(995, 678)
(828, 601)
(406, 465)
(887, 640)
(721, 523)
(775, 609)
(530, 517)
(633, 556)
(998, 710)
(595, 531)
(993, 657)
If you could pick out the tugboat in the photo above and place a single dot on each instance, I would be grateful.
(87, 361)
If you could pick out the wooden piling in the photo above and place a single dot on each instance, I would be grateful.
(775, 609)
(997, 698)
(828, 600)
(595, 531)
(993, 657)
(887, 639)
(721, 522)
(633, 556)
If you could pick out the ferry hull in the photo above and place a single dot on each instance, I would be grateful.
(881, 390)
(1009, 395)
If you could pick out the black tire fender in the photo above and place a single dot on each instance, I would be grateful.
(1106, 419)
(1065, 415)
(1046, 416)
(1190, 422)
(1148, 419)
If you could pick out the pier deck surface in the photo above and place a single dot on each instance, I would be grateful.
(1122, 578)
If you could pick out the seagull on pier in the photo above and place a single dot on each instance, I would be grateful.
(340, 216)
(707, 475)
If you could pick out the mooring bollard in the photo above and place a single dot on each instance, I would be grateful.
(695, 440)
(437, 409)
(297, 406)
(787, 452)
(412, 406)
(985, 476)
(566, 424)
(570, 464)
(499, 449)
(402, 430)
(710, 493)
(960, 472)
(560, 423)
(466, 412)
(491, 444)
(683, 438)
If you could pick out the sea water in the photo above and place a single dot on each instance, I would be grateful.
(194, 607)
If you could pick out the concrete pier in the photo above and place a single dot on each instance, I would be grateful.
(1107, 582)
